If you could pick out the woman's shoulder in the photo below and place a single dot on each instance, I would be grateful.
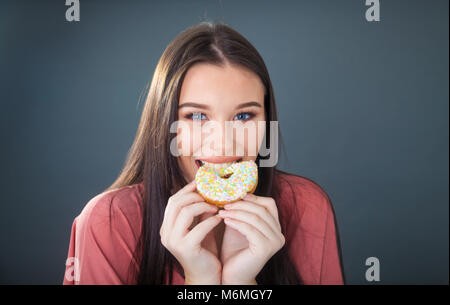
(123, 204)
(310, 229)
(303, 192)
(300, 187)
(104, 236)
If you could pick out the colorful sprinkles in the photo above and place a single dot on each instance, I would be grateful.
(213, 185)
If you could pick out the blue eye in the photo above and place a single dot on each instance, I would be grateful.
(196, 116)
(244, 116)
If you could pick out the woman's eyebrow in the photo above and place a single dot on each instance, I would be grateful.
(248, 104)
(195, 105)
(204, 106)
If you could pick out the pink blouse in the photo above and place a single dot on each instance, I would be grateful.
(100, 250)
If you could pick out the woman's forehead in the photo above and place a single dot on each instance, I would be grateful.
(213, 85)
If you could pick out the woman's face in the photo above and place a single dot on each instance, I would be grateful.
(218, 99)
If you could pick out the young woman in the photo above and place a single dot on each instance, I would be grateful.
(152, 227)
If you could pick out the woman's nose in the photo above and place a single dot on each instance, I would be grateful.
(222, 138)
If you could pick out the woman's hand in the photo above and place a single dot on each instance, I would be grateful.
(201, 266)
(255, 219)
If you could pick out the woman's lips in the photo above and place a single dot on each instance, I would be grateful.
(217, 162)
(219, 159)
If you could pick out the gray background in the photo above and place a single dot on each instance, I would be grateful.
(363, 109)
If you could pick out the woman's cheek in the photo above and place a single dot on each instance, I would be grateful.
(196, 143)
(261, 132)
(184, 142)
(253, 136)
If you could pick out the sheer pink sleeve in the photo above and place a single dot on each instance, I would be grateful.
(331, 268)
(102, 240)
(312, 237)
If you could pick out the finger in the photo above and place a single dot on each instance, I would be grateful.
(251, 219)
(186, 216)
(257, 209)
(205, 216)
(199, 232)
(187, 188)
(253, 235)
(201, 217)
(175, 204)
(267, 202)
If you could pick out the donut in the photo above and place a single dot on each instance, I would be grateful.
(226, 185)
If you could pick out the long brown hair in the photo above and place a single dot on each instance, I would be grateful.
(150, 161)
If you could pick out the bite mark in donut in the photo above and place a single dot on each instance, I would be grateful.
(226, 185)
